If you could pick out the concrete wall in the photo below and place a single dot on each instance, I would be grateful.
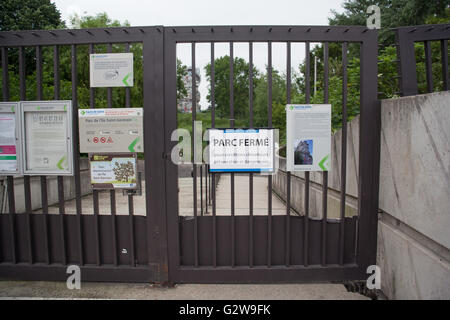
(414, 227)
(52, 189)
(414, 201)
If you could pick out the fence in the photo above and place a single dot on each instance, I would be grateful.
(162, 245)
(406, 37)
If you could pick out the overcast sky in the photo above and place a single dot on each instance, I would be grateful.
(214, 12)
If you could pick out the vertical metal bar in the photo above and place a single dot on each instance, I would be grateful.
(112, 193)
(76, 149)
(343, 152)
(5, 75)
(201, 189)
(369, 152)
(233, 222)
(306, 203)
(206, 187)
(10, 179)
(26, 179)
(250, 99)
(95, 192)
(12, 211)
(130, 197)
(109, 89)
(213, 178)
(56, 85)
(429, 66)
(91, 89)
(269, 184)
(407, 62)
(288, 173)
(444, 62)
(325, 173)
(194, 165)
(44, 198)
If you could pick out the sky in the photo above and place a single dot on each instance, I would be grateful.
(214, 12)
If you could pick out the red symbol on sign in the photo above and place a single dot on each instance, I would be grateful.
(102, 139)
(95, 140)
(110, 140)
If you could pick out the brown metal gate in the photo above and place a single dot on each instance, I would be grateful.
(269, 248)
(108, 246)
(162, 245)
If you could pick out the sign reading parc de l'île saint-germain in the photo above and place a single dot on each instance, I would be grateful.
(111, 130)
(241, 150)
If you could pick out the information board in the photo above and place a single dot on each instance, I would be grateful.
(10, 151)
(111, 130)
(241, 150)
(308, 137)
(47, 137)
(111, 70)
(113, 171)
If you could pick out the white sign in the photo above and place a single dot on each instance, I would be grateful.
(113, 171)
(111, 130)
(47, 133)
(10, 159)
(308, 137)
(241, 150)
(111, 70)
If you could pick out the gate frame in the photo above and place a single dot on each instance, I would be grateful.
(369, 152)
(153, 103)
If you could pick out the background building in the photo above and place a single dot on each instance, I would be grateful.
(184, 105)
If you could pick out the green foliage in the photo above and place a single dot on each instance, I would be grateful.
(394, 13)
(261, 97)
(222, 86)
(181, 71)
(29, 15)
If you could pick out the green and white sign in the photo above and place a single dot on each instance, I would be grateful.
(47, 137)
(111, 130)
(308, 137)
(10, 152)
(111, 69)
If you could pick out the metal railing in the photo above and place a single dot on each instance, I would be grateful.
(406, 37)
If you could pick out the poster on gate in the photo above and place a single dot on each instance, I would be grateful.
(47, 144)
(308, 137)
(10, 151)
(242, 150)
(113, 171)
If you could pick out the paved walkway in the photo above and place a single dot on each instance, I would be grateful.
(58, 290)
(242, 196)
(186, 199)
(93, 290)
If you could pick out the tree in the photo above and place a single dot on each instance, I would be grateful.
(124, 171)
(29, 15)
(394, 13)
(181, 72)
(261, 96)
(222, 86)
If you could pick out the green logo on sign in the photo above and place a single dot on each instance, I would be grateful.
(125, 79)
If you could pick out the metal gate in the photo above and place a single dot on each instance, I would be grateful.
(259, 246)
(110, 243)
(161, 245)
